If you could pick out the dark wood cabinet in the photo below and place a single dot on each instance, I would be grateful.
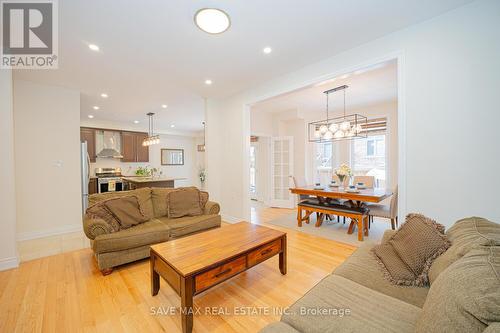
(92, 186)
(142, 151)
(129, 147)
(132, 148)
(88, 135)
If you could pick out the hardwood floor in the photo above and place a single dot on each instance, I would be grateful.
(67, 293)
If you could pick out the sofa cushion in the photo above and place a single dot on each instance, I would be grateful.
(337, 304)
(147, 233)
(142, 194)
(159, 198)
(466, 296)
(407, 256)
(362, 268)
(99, 211)
(190, 224)
(278, 327)
(464, 235)
(126, 210)
(184, 201)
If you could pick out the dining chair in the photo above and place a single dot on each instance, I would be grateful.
(386, 211)
(369, 181)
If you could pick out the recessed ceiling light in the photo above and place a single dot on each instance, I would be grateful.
(208, 82)
(90, 116)
(164, 106)
(94, 47)
(172, 126)
(267, 50)
(95, 107)
(212, 20)
(104, 95)
(136, 121)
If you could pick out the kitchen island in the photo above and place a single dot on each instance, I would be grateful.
(138, 182)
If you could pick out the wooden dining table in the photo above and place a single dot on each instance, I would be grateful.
(327, 193)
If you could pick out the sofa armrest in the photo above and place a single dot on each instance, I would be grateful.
(387, 234)
(211, 208)
(94, 227)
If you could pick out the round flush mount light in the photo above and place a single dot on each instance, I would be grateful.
(95, 107)
(212, 20)
(136, 121)
(208, 82)
(104, 95)
(164, 106)
(94, 47)
(267, 50)
(90, 116)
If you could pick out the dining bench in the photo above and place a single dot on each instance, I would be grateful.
(359, 215)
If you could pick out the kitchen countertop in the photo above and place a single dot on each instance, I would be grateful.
(141, 180)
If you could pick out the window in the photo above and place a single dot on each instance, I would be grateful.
(368, 158)
(324, 156)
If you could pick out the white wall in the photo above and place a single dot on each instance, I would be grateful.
(47, 158)
(449, 75)
(8, 251)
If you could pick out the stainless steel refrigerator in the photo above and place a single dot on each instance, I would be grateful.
(85, 175)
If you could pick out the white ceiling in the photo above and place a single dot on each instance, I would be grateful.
(153, 54)
(374, 85)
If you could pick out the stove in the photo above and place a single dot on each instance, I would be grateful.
(109, 179)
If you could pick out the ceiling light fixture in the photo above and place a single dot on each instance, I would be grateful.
(136, 121)
(151, 139)
(208, 82)
(104, 95)
(90, 116)
(95, 107)
(172, 126)
(212, 20)
(94, 47)
(267, 50)
(164, 106)
(333, 129)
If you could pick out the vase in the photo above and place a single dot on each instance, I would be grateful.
(341, 180)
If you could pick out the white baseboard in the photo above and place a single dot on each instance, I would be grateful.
(65, 229)
(231, 219)
(8, 263)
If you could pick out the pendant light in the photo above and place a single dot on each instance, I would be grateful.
(333, 129)
(151, 139)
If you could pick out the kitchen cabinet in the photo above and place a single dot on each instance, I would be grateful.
(92, 185)
(132, 148)
(88, 135)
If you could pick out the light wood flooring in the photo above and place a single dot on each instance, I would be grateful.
(67, 293)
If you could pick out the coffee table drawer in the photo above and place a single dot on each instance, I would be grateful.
(264, 252)
(218, 274)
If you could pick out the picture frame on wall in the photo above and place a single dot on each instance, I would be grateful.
(172, 156)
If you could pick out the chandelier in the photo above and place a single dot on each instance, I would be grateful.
(151, 139)
(333, 129)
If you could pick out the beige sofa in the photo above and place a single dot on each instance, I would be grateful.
(464, 295)
(116, 248)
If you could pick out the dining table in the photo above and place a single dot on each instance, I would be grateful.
(357, 198)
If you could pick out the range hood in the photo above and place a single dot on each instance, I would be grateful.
(110, 144)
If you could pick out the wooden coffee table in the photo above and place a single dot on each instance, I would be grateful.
(196, 263)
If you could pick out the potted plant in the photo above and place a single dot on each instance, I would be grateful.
(343, 172)
(202, 176)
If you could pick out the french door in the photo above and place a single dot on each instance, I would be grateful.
(281, 169)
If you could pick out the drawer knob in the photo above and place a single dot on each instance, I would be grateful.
(263, 253)
(223, 272)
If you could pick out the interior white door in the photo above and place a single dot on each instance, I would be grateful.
(281, 169)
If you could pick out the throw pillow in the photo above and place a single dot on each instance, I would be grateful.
(466, 296)
(126, 210)
(409, 253)
(99, 211)
(185, 201)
